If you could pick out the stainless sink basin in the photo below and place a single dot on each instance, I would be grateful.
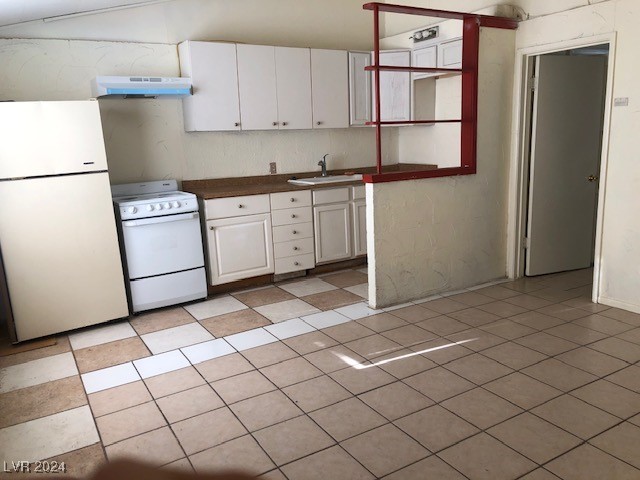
(327, 179)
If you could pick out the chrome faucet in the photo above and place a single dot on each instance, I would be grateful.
(323, 164)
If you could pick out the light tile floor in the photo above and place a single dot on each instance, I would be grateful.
(302, 380)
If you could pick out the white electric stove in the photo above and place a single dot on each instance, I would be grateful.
(161, 244)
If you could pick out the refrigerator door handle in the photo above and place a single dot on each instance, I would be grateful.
(156, 220)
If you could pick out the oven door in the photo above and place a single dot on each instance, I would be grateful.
(159, 245)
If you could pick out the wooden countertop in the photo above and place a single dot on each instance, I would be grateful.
(258, 185)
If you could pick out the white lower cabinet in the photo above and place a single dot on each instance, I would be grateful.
(359, 228)
(332, 232)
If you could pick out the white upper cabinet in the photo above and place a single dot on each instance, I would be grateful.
(395, 87)
(359, 88)
(426, 57)
(450, 54)
(257, 86)
(330, 88)
(293, 81)
(214, 104)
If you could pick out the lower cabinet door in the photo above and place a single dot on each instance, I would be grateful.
(359, 228)
(332, 224)
(239, 247)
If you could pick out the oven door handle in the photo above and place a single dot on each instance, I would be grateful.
(156, 220)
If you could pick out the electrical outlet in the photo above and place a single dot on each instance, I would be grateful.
(272, 168)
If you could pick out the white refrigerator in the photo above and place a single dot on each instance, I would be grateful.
(58, 240)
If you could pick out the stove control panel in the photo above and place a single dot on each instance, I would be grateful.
(156, 207)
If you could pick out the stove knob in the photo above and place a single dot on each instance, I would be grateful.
(132, 209)
(176, 204)
(150, 208)
(166, 205)
(158, 206)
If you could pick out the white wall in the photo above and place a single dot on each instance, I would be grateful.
(439, 234)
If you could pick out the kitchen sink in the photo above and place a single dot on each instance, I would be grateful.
(327, 179)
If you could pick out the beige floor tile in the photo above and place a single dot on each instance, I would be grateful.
(158, 447)
(130, 422)
(264, 410)
(384, 449)
(333, 299)
(278, 312)
(208, 430)
(508, 329)
(534, 438)
(347, 418)
(429, 468)
(243, 386)
(622, 315)
(316, 393)
(563, 312)
(474, 317)
(502, 309)
(436, 428)
(482, 457)
(528, 301)
(559, 375)
(211, 307)
(241, 454)
(290, 371)
(182, 466)
(414, 313)
(481, 408)
(39, 401)
(292, 440)
(395, 400)
(189, 403)
(498, 292)
(478, 368)
(439, 384)
(514, 355)
(539, 474)
(628, 378)
(382, 322)
(97, 334)
(347, 278)
(263, 296)
(404, 363)
(62, 345)
(409, 335)
(555, 295)
(81, 463)
(472, 299)
(269, 354)
(36, 372)
(591, 361)
(234, 322)
(374, 346)
(548, 344)
(443, 325)
(445, 306)
(360, 380)
(575, 416)
(627, 351)
(632, 336)
(310, 342)
(522, 390)
(361, 290)
(622, 441)
(173, 382)
(589, 463)
(119, 398)
(110, 354)
(223, 367)
(536, 320)
(273, 475)
(610, 397)
(576, 333)
(603, 324)
(441, 351)
(524, 285)
(334, 358)
(160, 320)
(333, 463)
(348, 332)
(476, 339)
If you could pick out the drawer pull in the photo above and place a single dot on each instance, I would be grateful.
(275, 124)
(285, 123)
(296, 263)
(240, 206)
(296, 248)
(237, 124)
(318, 123)
(211, 228)
(295, 232)
(293, 215)
(293, 199)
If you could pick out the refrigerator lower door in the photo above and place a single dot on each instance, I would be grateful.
(61, 255)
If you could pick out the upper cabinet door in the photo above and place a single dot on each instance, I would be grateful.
(257, 86)
(293, 80)
(450, 54)
(214, 104)
(359, 88)
(426, 57)
(395, 87)
(330, 88)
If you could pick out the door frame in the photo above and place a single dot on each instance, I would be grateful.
(519, 164)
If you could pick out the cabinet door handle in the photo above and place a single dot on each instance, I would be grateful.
(240, 206)
(293, 215)
(318, 123)
(237, 124)
(292, 200)
(296, 248)
(275, 124)
(295, 232)
(284, 124)
(296, 263)
(211, 228)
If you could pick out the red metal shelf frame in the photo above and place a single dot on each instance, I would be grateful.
(469, 71)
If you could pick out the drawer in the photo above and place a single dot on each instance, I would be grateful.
(359, 192)
(286, 233)
(294, 264)
(236, 206)
(284, 200)
(331, 195)
(293, 247)
(291, 216)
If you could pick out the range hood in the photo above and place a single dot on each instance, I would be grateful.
(140, 87)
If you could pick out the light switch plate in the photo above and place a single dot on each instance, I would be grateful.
(272, 168)
(621, 102)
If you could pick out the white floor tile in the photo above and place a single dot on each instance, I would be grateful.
(427, 299)
(250, 339)
(357, 310)
(253, 289)
(109, 377)
(361, 290)
(325, 319)
(48, 437)
(215, 307)
(289, 328)
(364, 270)
(176, 337)
(308, 287)
(398, 307)
(278, 312)
(103, 334)
(38, 371)
(206, 351)
(159, 364)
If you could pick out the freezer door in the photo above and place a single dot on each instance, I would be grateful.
(50, 138)
(60, 251)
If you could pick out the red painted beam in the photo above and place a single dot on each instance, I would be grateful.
(412, 122)
(376, 75)
(392, 68)
(469, 129)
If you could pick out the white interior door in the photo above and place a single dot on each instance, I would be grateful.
(565, 151)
